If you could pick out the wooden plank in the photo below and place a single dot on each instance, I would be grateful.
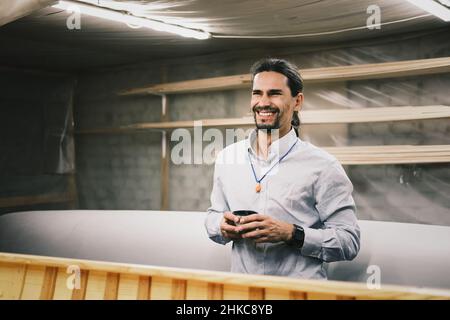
(198, 85)
(396, 296)
(391, 154)
(128, 287)
(161, 288)
(320, 296)
(62, 291)
(256, 293)
(34, 280)
(235, 292)
(370, 115)
(339, 297)
(215, 291)
(297, 295)
(48, 286)
(145, 284)
(72, 191)
(96, 285)
(383, 70)
(112, 286)
(314, 75)
(165, 165)
(277, 294)
(80, 294)
(12, 279)
(216, 280)
(33, 200)
(179, 289)
(196, 290)
(308, 117)
(165, 147)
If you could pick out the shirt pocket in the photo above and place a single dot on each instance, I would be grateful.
(300, 197)
(289, 201)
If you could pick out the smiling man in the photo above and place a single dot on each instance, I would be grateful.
(305, 213)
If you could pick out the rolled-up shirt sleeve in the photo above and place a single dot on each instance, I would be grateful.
(339, 236)
(218, 206)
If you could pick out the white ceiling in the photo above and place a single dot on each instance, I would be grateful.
(42, 40)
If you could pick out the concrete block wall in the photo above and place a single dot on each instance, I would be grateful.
(117, 171)
(190, 187)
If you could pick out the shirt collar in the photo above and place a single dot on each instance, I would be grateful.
(277, 149)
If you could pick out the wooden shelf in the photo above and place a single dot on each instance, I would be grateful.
(369, 115)
(307, 117)
(394, 154)
(29, 277)
(315, 75)
(34, 200)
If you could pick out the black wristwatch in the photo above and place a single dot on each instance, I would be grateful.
(298, 236)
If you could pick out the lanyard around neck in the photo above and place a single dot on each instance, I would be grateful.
(258, 181)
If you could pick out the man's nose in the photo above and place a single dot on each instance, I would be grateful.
(264, 101)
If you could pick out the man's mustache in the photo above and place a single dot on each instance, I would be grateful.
(266, 108)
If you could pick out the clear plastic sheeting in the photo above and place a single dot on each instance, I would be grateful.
(35, 123)
(272, 19)
(416, 193)
(415, 132)
(36, 138)
(42, 39)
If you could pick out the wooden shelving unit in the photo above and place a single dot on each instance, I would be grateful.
(355, 155)
(70, 196)
(37, 199)
(328, 116)
(392, 154)
(316, 75)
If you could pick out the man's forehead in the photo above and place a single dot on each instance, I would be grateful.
(272, 79)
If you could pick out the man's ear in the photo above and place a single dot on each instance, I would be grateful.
(298, 101)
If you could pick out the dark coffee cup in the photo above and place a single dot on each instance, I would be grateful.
(243, 213)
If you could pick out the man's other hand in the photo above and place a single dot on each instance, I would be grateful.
(228, 226)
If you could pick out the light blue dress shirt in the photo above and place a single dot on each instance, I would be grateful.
(308, 188)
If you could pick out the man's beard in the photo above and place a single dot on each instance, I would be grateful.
(267, 126)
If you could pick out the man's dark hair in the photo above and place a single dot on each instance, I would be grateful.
(288, 69)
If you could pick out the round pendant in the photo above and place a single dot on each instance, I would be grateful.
(258, 187)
